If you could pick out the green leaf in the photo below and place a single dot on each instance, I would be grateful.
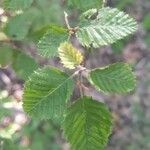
(87, 124)
(46, 93)
(49, 43)
(5, 54)
(89, 14)
(24, 65)
(16, 4)
(109, 26)
(146, 22)
(37, 34)
(69, 55)
(85, 4)
(4, 112)
(6, 144)
(18, 26)
(116, 77)
(47, 12)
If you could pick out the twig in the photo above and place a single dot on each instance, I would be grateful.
(80, 87)
(70, 29)
(66, 20)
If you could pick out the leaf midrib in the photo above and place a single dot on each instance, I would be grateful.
(49, 93)
(85, 127)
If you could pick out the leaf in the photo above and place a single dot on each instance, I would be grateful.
(89, 14)
(87, 124)
(85, 4)
(24, 65)
(7, 144)
(4, 112)
(109, 26)
(116, 77)
(5, 54)
(16, 4)
(46, 93)
(146, 22)
(18, 27)
(69, 55)
(37, 34)
(47, 12)
(49, 43)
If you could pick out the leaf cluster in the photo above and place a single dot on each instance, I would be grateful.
(87, 122)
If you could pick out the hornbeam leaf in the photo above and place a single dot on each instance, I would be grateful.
(87, 124)
(69, 55)
(46, 93)
(49, 43)
(109, 26)
(116, 77)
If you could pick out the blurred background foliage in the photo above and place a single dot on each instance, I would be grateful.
(22, 23)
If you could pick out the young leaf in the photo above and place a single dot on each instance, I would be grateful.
(85, 4)
(109, 26)
(16, 4)
(49, 43)
(116, 77)
(24, 65)
(70, 56)
(87, 124)
(46, 93)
